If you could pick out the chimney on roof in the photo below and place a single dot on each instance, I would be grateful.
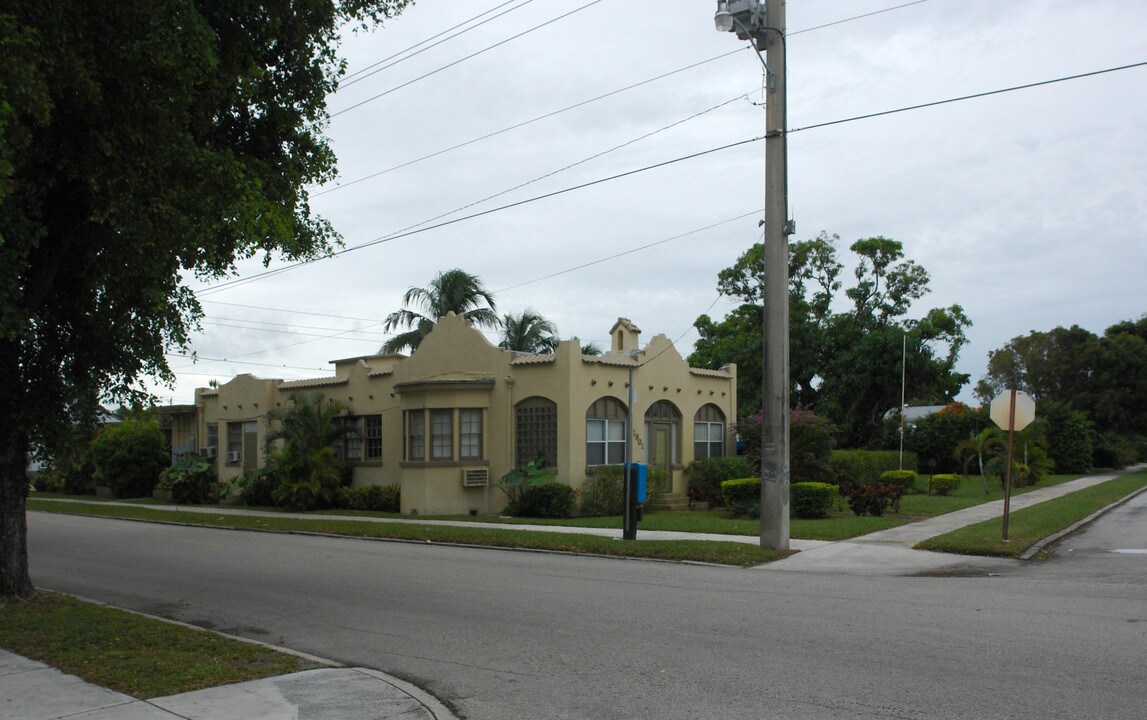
(624, 337)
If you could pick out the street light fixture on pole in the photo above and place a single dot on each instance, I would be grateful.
(764, 24)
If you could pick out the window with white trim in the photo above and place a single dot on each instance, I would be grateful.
(708, 433)
(605, 427)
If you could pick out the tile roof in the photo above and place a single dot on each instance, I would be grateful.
(313, 382)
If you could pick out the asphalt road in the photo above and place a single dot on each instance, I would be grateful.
(506, 635)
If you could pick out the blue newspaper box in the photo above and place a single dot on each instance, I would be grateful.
(640, 472)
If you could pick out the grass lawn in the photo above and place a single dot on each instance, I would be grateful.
(129, 653)
(725, 553)
(1028, 526)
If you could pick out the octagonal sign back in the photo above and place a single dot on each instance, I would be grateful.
(1025, 410)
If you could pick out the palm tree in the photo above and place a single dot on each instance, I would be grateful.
(588, 348)
(529, 332)
(983, 447)
(309, 473)
(453, 291)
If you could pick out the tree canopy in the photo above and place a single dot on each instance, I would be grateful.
(845, 348)
(143, 144)
(1104, 377)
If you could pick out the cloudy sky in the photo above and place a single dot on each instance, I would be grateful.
(1028, 208)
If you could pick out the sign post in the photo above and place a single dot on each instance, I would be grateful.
(1011, 410)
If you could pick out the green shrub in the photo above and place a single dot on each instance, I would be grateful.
(945, 484)
(1069, 435)
(866, 466)
(934, 437)
(742, 496)
(810, 447)
(192, 482)
(257, 487)
(129, 457)
(1116, 451)
(903, 479)
(811, 500)
(547, 500)
(705, 476)
(601, 492)
(515, 482)
(377, 498)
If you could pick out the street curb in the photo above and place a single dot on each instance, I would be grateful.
(435, 706)
(250, 641)
(1050, 539)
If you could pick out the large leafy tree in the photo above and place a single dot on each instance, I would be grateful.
(1104, 377)
(142, 144)
(529, 332)
(845, 348)
(453, 291)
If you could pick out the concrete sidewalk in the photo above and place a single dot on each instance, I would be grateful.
(30, 690)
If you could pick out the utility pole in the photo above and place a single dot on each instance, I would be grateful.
(763, 21)
(775, 408)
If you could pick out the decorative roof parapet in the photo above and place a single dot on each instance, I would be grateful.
(611, 359)
(706, 372)
(313, 382)
(529, 359)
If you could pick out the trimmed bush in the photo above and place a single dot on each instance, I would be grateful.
(742, 496)
(376, 498)
(129, 457)
(904, 479)
(811, 500)
(705, 477)
(945, 484)
(547, 500)
(904, 482)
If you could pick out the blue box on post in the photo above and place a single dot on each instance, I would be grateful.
(640, 473)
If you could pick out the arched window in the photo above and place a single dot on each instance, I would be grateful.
(708, 432)
(536, 431)
(605, 432)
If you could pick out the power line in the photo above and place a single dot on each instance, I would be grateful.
(571, 165)
(402, 234)
(387, 238)
(512, 287)
(360, 75)
(522, 124)
(628, 252)
(593, 100)
(464, 59)
(967, 97)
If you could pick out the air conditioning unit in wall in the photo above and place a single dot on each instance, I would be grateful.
(209, 451)
(475, 477)
(234, 456)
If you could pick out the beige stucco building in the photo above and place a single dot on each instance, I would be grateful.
(449, 420)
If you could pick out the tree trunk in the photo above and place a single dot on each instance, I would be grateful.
(14, 578)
